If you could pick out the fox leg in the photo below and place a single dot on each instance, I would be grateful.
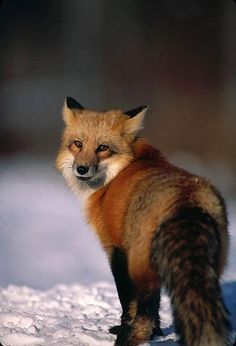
(125, 289)
(154, 304)
(146, 324)
(147, 321)
(186, 252)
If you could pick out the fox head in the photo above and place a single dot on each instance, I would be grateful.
(96, 145)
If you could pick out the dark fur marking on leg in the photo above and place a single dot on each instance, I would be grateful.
(124, 285)
(148, 306)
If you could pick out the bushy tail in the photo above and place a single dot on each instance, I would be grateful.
(185, 251)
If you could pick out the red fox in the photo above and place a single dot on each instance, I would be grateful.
(158, 224)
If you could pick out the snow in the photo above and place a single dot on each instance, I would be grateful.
(44, 241)
(64, 315)
(68, 315)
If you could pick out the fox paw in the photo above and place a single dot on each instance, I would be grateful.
(116, 329)
(125, 323)
(123, 336)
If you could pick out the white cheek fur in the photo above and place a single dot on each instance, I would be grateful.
(112, 170)
(82, 190)
(79, 189)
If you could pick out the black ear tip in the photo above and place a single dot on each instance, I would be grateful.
(73, 104)
(135, 111)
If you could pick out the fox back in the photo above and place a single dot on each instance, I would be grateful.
(158, 224)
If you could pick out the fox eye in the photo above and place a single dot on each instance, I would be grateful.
(78, 144)
(102, 147)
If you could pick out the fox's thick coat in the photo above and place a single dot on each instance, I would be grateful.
(158, 224)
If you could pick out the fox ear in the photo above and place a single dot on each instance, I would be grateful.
(133, 112)
(68, 110)
(135, 121)
(73, 104)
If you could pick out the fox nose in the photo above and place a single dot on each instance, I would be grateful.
(82, 170)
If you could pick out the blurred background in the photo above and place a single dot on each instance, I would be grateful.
(177, 56)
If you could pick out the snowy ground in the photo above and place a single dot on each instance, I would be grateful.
(44, 242)
(72, 315)
(64, 315)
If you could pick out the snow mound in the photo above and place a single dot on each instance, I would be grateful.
(65, 316)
